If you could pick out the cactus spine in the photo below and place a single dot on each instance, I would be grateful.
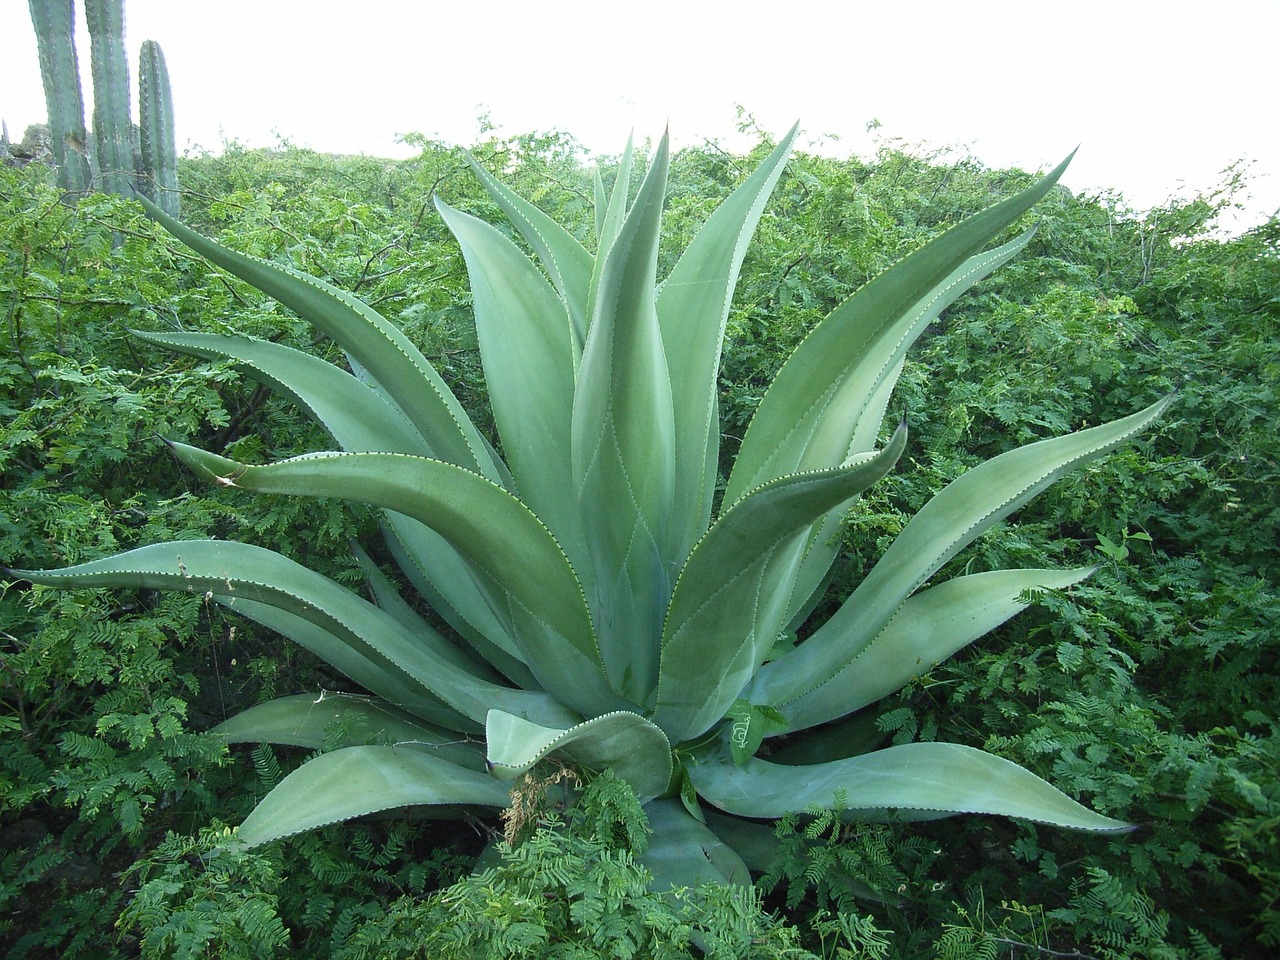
(54, 21)
(159, 178)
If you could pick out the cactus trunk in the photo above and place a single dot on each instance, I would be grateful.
(112, 127)
(159, 174)
(54, 22)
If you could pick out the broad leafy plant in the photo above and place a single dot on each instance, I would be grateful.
(609, 608)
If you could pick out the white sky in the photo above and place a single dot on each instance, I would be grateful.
(1162, 96)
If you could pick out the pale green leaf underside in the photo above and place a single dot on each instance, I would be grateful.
(355, 781)
(911, 781)
(635, 749)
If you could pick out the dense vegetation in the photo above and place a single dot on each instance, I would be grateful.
(1148, 692)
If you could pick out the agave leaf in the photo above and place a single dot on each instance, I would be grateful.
(360, 419)
(531, 585)
(693, 308)
(314, 720)
(847, 417)
(610, 214)
(623, 449)
(811, 412)
(378, 346)
(683, 852)
(928, 628)
(332, 644)
(602, 202)
(731, 599)
(258, 581)
(357, 417)
(913, 781)
(355, 781)
(530, 353)
(957, 515)
(410, 544)
(816, 569)
(566, 261)
(635, 749)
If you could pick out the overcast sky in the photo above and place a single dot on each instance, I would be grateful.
(1161, 96)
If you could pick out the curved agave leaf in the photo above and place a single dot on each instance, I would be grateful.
(810, 413)
(635, 749)
(530, 582)
(684, 852)
(360, 419)
(566, 261)
(376, 345)
(914, 781)
(693, 308)
(731, 599)
(825, 537)
(355, 781)
(623, 449)
(610, 214)
(344, 720)
(332, 644)
(530, 354)
(409, 544)
(356, 416)
(274, 590)
(928, 628)
(957, 515)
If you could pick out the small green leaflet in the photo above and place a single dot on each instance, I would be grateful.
(750, 723)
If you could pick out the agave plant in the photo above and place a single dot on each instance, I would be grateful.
(608, 609)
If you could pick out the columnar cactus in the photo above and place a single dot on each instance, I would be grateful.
(159, 164)
(119, 153)
(54, 21)
(112, 126)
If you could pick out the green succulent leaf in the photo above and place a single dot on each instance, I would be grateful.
(623, 449)
(355, 415)
(530, 582)
(818, 408)
(566, 261)
(961, 512)
(636, 750)
(685, 852)
(380, 348)
(531, 353)
(731, 600)
(928, 628)
(356, 781)
(693, 308)
(914, 781)
(335, 720)
(360, 419)
(355, 636)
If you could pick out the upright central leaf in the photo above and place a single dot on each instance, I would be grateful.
(623, 448)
